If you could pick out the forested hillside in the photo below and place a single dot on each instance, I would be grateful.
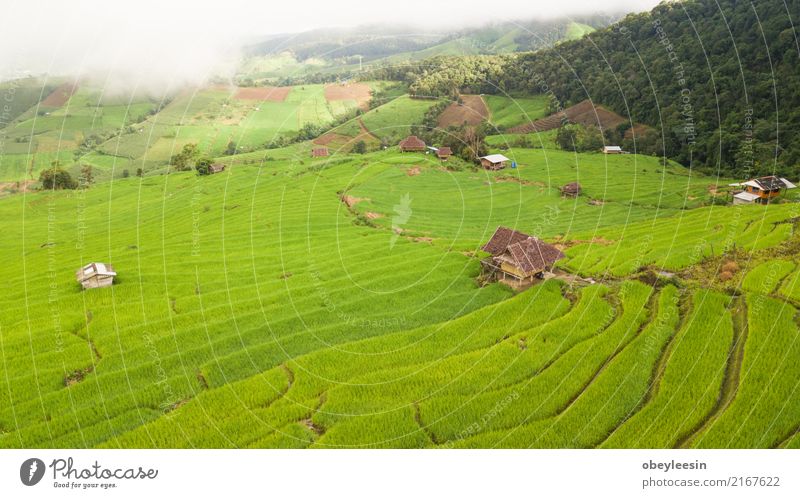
(707, 76)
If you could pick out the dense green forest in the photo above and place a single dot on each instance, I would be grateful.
(718, 81)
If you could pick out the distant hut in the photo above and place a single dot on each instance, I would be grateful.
(572, 189)
(319, 152)
(216, 168)
(494, 161)
(444, 153)
(95, 275)
(412, 144)
(518, 259)
(612, 149)
(761, 190)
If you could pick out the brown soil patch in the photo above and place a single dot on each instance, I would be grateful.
(413, 171)
(328, 138)
(351, 201)
(514, 179)
(566, 244)
(12, 187)
(267, 93)
(60, 95)
(373, 216)
(359, 92)
(584, 113)
(423, 239)
(472, 112)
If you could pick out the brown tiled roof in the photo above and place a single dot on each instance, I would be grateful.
(571, 188)
(533, 255)
(216, 167)
(412, 142)
(444, 151)
(502, 238)
(319, 152)
(527, 253)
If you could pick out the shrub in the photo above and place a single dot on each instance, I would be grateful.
(55, 178)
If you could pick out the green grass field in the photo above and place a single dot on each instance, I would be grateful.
(507, 112)
(256, 308)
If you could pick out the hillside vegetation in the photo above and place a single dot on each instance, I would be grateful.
(701, 74)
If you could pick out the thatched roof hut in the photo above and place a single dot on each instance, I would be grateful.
(412, 144)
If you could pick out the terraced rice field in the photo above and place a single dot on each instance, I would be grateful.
(335, 302)
(251, 310)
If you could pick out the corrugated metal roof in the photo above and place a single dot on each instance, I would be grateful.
(496, 158)
(746, 196)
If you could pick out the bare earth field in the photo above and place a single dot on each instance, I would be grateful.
(60, 95)
(359, 92)
(268, 93)
(472, 112)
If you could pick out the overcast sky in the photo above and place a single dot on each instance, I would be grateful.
(184, 40)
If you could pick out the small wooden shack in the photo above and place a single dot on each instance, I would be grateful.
(319, 152)
(412, 144)
(494, 161)
(444, 153)
(572, 189)
(216, 168)
(761, 190)
(612, 149)
(95, 275)
(517, 259)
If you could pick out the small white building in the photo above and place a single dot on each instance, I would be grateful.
(744, 198)
(612, 149)
(494, 161)
(95, 275)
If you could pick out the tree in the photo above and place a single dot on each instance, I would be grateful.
(567, 136)
(139, 172)
(125, 173)
(87, 177)
(55, 178)
(203, 166)
(360, 147)
(183, 160)
(230, 149)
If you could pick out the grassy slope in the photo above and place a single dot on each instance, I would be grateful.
(508, 112)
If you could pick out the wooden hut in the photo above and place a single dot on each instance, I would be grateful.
(572, 189)
(412, 144)
(319, 152)
(494, 161)
(518, 259)
(95, 275)
(761, 190)
(216, 168)
(444, 153)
